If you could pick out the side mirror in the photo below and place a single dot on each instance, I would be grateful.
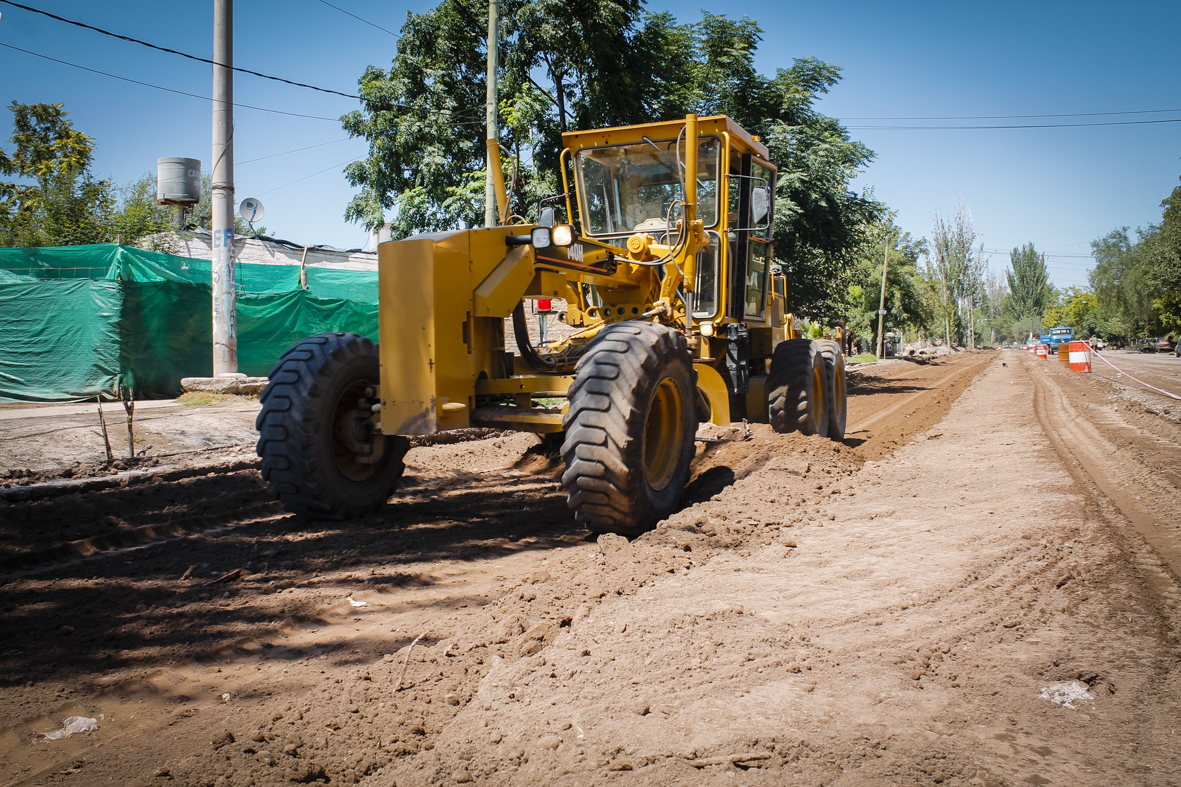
(760, 205)
(546, 218)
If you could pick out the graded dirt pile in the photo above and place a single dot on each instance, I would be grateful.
(908, 607)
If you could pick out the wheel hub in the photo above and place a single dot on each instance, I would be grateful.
(663, 434)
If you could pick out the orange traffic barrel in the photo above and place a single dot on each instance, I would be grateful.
(1080, 356)
(1043, 351)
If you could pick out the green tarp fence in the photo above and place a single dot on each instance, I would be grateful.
(79, 321)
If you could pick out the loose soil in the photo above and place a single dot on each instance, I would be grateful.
(899, 608)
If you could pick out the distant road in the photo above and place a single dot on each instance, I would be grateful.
(1160, 369)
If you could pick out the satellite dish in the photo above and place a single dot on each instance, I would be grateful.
(251, 210)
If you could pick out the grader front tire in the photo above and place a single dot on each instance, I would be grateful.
(797, 388)
(630, 428)
(834, 364)
(320, 457)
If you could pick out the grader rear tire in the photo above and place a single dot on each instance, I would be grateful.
(834, 364)
(797, 388)
(319, 457)
(629, 428)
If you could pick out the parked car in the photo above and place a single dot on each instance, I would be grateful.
(1165, 345)
(1145, 345)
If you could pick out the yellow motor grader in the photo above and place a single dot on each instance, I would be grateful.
(675, 313)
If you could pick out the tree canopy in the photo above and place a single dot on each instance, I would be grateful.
(55, 200)
(1029, 284)
(955, 274)
(576, 64)
(906, 307)
(1162, 257)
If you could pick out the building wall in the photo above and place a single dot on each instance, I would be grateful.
(198, 245)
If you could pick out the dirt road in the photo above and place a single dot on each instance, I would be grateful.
(910, 607)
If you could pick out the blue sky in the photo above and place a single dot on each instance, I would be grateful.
(1057, 187)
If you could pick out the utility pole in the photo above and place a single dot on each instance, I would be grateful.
(491, 217)
(882, 303)
(225, 327)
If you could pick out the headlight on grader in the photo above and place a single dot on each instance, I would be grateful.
(544, 237)
(562, 235)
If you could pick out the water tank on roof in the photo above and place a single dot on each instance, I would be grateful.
(178, 181)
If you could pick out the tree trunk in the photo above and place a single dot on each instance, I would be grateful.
(560, 92)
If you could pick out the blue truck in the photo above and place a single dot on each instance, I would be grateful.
(1055, 336)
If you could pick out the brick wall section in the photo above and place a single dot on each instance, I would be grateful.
(554, 329)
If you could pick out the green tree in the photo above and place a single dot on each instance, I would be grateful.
(906, 309)
(1122, 286)
(590, 63)
(138, 220)
(55, 201)
(1030, 292)
(996, 290)
(1162, 260)
(955, 273)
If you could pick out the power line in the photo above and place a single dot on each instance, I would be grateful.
(457, 122)
(359, 19)
(160, 87)
(981, 128)
(1047, 254)
(1021, 117)
(173, 51)
(314, 174)
(297, 150)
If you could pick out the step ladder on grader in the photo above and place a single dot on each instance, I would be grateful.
(677, 313)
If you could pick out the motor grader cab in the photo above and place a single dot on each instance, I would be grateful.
(677, 316)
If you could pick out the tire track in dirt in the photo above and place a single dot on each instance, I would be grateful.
(905, 642)
(1151, 505)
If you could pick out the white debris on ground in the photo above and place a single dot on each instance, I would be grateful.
(712, 433)
(356, 603)
(1066, 694)
(72, 726)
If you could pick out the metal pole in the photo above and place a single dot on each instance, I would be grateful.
(490, 217)
(225, 328)
(882, 303)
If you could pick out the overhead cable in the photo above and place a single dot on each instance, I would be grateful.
(1021, 117)
(161, 87)
(207, 98)
(358, 18)
(297, 150)
(314, 174)
(173, 51)
(983, 128)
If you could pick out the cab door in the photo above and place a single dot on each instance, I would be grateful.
(750, 239)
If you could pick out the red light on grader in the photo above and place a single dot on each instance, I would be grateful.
(544, 304)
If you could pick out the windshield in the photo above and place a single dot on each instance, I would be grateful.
(632, 188)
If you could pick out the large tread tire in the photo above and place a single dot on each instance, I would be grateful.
(834, 364)
(313, 390)
(797, 388)
(630, 428)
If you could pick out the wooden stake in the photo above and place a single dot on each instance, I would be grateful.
(103, 421)
(129, 406)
